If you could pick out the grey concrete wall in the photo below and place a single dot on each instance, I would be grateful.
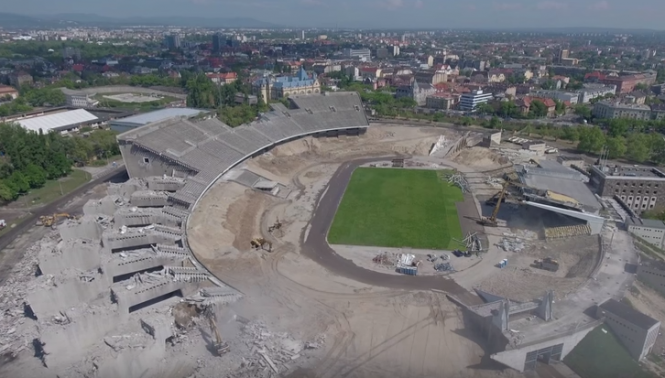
(105, 206)
(69, 293)
(168, 185)
(118, 267)
(85, 228)
(652, 276)
(149, 199)
(125, 189)
(633, 337)
(147, 362)
(515, 358)
(78, 254)
(156, 166)
(66, 344)
(128, 298)
(137, 219)
(114, 240)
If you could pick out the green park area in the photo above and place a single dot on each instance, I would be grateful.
(600, 354)
(388, 207)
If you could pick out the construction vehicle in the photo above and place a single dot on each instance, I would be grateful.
(275, 226)
(547, 263)
(51, 220)
(261, 243)
(220, 346)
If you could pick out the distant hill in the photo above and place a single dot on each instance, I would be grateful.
(11, 20)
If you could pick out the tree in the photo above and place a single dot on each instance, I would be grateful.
(638, 147)
(591, 139)
(537, 109)
(485, 108)
(641, 87)
(35, 175)
(583, 111)
(495, 123)
(617, 128)
(570, 133)
(616, 147)
(6, 194)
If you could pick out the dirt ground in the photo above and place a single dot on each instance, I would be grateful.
(521, 281)
(479, 157)
(371, 331)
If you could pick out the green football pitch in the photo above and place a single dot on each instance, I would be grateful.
(387, 207)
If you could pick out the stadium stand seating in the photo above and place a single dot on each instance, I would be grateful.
(211, 147)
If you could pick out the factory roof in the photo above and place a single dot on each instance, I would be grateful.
(628, 313)
(58, 121)
(159, 115)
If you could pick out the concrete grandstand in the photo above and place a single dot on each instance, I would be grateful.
(203, 151)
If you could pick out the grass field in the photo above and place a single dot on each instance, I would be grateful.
(398, 208)
(601, 354)
(51, 190)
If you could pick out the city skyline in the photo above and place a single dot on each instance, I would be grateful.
(476, 14)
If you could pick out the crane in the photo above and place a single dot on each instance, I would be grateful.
(491, 221)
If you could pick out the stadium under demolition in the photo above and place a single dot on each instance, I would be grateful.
(213, 260)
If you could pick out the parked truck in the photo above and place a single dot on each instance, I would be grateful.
(547, 264)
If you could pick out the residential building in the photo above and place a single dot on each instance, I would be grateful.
(395, 50)
(432, 77)
(636, 331)
(218, 41)
(7, 92)
(650, 230)
(370, 72)
(470, 101)
(612, 110)
(593, 91)
(652, 271)
(19, 78)
(417, 91)
(382, 53)
(361, 54)
(285, 86)
(658, 111)
(570, 97)
(222, 78)
(640, 188)
(443, 101)
(625, 83)
(172, 41)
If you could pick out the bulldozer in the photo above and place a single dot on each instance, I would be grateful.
(547, 263)
(261, 243)
(220, 346)
(51, 220)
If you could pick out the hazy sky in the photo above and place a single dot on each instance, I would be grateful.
(379, 13)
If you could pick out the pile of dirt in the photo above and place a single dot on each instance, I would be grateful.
(480, 157)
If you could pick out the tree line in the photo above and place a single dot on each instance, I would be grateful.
(32, 97)
(28, 159)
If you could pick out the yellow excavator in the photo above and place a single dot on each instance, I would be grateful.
(261, 243)
(50, 220)
(220, 346)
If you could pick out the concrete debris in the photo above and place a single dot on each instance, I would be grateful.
(444, 267)
(511, 245)
(496, 183)
(270, 353)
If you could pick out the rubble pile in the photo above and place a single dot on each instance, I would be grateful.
(271, 354)
(511, 244)
(386, 259)
(17, 329)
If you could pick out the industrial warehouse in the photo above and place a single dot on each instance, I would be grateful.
(218, 256)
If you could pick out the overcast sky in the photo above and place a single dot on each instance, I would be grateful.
(379, 13)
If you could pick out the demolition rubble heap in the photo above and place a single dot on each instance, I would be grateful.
(104, 284)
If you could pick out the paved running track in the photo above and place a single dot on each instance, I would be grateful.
(316, 247)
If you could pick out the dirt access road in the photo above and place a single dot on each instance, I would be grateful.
(315, 244)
